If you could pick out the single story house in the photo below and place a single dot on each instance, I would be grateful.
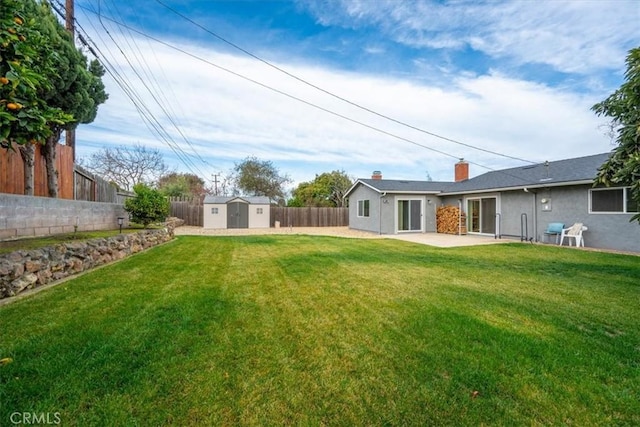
(236, 212)
(518, 202)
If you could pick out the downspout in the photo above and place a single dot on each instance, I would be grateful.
(535, 215)
(384, 194)
(460, 217)
(535, 211)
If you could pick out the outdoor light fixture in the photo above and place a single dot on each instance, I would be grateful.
(120, 221)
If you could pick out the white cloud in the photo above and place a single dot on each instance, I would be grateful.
(570, 36)
(227, 119)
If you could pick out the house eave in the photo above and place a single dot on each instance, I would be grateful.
(533, 186)
(355, 184)
(424, 193)
(381, 191)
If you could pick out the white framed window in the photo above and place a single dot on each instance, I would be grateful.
(612, 200)
(363, 208)
(214, 211)
(259, 211)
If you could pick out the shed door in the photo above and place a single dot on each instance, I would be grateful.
(237, 215)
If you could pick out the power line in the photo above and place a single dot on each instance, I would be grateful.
(152, 123)
(326, 110)
(155, 98)
(149, 74)
(355, 104)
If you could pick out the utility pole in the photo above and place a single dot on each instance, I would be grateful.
(215, 183)
(69, 17)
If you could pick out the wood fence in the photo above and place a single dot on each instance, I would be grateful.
(309, 217)
(12, 172)
(189, 209)
(93, 188)
(74, 182)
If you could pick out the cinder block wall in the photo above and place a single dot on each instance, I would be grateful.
(22, 216)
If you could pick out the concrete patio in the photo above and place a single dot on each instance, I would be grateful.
(432, 239)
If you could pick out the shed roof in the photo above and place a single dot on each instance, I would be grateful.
(221, 200)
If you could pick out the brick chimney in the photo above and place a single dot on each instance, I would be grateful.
(376, 175)
(461, 171)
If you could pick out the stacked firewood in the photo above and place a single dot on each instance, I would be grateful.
(448, 220)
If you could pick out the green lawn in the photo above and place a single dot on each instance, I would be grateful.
(319, 330)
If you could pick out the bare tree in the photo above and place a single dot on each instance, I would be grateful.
(227, 185)
(127, 166)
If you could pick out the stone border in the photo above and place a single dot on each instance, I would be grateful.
(22, 271)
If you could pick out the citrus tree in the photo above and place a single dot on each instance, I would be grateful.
(25, 117)
(46, 84)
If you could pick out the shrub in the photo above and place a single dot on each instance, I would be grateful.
(148, 206)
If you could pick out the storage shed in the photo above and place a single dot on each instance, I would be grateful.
(236, 212)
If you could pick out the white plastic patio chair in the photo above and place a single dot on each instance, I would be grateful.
(574, 232)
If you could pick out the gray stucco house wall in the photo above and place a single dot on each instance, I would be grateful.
(606, 230)
(523, 201)
(372, 221)
(383, 208)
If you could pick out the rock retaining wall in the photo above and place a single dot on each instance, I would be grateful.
(22, 270)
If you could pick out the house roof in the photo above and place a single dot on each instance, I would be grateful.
(580, 170)
(403, 186)
(220, 200)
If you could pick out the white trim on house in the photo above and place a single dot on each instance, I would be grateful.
(625, 201)
(519, 187)
(355, 184)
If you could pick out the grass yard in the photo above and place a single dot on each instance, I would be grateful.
(320, 330)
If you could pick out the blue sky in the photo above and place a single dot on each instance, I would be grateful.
(503, 80)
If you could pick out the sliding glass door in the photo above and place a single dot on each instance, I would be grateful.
(409, 215)
(481, 215)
